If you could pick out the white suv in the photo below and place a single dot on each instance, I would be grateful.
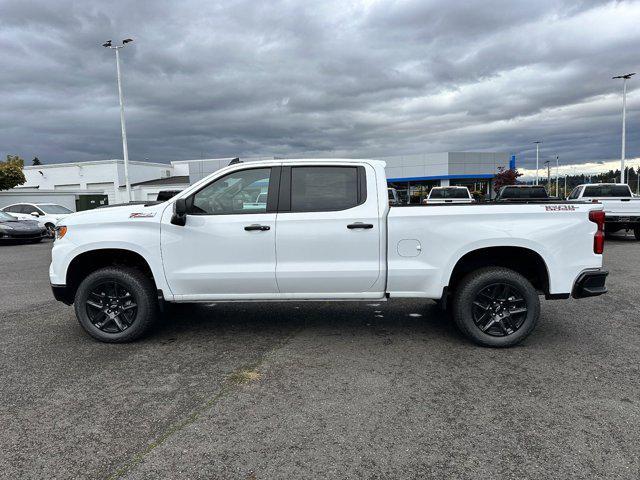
(47, 214)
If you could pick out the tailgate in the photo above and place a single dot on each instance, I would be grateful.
(626, 207)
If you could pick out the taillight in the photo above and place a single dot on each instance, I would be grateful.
(597, 217)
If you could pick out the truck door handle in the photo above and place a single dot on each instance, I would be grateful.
(262, 228)
(365, 226)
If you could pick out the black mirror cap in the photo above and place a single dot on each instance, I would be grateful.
(179, 212)
(180, 207)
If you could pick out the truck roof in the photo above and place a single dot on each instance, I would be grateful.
(600, 184)
(523, 186)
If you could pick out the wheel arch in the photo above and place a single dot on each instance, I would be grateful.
(523, 260)
(89, 261)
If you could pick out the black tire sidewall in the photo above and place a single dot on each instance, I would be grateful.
(636, 232)
(51, 230)
(466, 293)
(137, 284)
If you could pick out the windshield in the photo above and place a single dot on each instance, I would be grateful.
(6, 216)
(54, 209)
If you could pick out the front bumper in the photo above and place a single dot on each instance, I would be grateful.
(62, 293)
(11, 237)
(590, 284)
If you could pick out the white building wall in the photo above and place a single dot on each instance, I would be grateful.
(418, 165)
(66, 199)
(104, 176)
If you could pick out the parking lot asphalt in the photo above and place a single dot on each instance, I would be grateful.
(318, 390)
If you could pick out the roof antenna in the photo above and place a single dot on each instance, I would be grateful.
(235, 160)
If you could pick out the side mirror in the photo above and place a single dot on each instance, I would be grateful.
(179, 212)
(35, 214)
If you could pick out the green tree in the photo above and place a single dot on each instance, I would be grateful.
(11, 172)
(36, 161)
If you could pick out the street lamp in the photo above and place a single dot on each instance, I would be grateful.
(125, 150)
(548, 164)
(558, 176)
(624, 119)
(537, 142)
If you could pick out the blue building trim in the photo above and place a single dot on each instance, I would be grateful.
(440, 177)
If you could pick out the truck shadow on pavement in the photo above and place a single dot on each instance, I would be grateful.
(383, 319)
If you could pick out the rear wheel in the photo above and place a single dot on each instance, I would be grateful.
(496, 307)
(636, 232)
(116, 304)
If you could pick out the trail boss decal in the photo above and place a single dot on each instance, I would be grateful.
(142, 215)
(560, 208)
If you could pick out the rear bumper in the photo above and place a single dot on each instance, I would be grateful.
(62, 294)
(621, 221)
(590, 284)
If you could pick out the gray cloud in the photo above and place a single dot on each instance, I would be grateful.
(325, 78)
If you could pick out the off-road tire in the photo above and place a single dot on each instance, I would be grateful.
(141, 288)
(474, 283)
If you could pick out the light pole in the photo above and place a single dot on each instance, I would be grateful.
(548, 164)
(558, 176)
(537, 142)
(125, 149)
(624, 119)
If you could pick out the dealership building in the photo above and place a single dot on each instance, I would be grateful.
(78, 184)
(414, 175)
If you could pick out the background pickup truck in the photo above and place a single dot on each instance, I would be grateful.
(440, 195)
(519, 193)
(622, 210)
(325, 232)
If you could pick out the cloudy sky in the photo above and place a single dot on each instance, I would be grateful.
(327, 78)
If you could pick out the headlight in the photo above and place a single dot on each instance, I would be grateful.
(5, 227)
(61, 231)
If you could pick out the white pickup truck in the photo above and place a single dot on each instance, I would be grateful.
(456, 194)
(622, 209)
(326, 232)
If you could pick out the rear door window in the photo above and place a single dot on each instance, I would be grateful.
(325, 188)
(575, 193)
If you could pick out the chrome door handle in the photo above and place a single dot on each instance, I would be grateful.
(262, 228)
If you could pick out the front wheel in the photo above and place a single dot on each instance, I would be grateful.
(116, 304)
(496, 307)
(51, 230)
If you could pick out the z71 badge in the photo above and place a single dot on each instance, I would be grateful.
(560, 208)
(142, 215)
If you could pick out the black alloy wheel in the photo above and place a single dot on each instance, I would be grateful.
(111, 307)
(499, 309)
(495, 307)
